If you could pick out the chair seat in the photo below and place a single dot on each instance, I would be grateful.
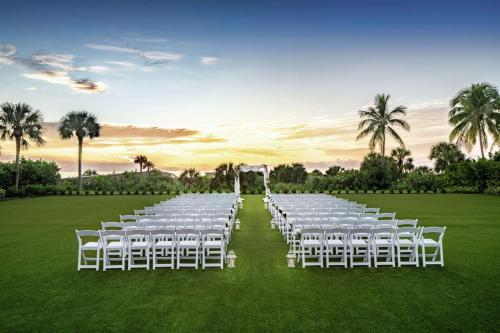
(311, 242)
(139, 245)
(358, 242)
(191, 244)
(335, 242)
(430, 242)
(405, 242)
(91, 246)
(213, 243)
(166, 244)
(115, 245)
(383, 242)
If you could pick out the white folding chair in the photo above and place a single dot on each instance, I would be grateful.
(311, 245)
(436, 257)
(213, 248)
(88, 240)
(138, 246)
(406, 241)
(336, 246)
(188, 243)
(359, 247)
(114, 248)
(383, 246)
(163, 248)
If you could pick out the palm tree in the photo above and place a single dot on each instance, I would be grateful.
(378, 120)
(400, 157)
(475, 113)
(141, 160)
(80, 124)
(149, 165)
(445, 155)
(20, 123)
(190, 177)
(408, 166)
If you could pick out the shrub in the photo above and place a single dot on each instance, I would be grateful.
(462, 189)
(2, 193)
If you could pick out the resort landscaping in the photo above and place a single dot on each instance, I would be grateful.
(43, 291)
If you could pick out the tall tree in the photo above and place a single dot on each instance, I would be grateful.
(141, 160)
(20, 123)
(334, 170)
(408, 166)
(445, 155)
(190, 177)
(81, 124)
(149, 165)
(379, 120)
(475, 113)
(400, 156)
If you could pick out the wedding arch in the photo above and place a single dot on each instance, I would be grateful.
(246, 168)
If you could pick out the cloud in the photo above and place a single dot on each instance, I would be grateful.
(104, 47)
(60, 77)
(151, 132)
(209, 60)
(54, 68)
(98, 69)
(159, 57)
(146, 40)
(304, 131)
(121, 63)
(150, 57)
(7, 51)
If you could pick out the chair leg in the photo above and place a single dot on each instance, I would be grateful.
(79, 258)
(104, 259)
(97, 262)
(423, 256)
(442, 254)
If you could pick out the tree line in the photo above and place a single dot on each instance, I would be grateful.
(474, 114)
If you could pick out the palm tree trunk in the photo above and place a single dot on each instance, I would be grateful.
(382, 147)
(18, 166)
(80, 147)
(481, 143)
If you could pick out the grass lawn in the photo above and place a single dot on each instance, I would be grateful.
(42, 291)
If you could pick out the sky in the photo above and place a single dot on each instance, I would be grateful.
(198, 83)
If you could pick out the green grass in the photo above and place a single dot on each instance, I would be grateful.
(42, 291)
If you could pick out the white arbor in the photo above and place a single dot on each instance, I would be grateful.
(246, 168)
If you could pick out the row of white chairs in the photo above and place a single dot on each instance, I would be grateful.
(294, 216)
(151, 248)
(338, 246)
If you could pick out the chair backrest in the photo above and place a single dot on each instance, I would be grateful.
(166, 235)
(187, 234)
(411, 233)
(137, 235)
(133, 225)
(128, 218)
(312, 233)
(386, 224)
(111, 225)
(407, 223)
(337, 233)
(371, 210)
(386, 216)
(111, 235)
(212, 234)
(385, 233)
(361, 233)
(438, 231)
(80, 234)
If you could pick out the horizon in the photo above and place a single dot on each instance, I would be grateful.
(196, 84)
